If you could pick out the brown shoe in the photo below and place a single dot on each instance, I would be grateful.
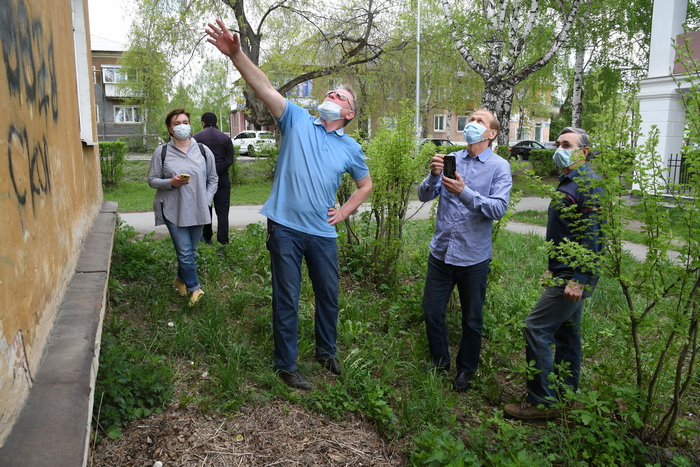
(527, 411)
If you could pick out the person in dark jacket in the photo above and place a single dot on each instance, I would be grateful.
(221, 145)
(574, 216)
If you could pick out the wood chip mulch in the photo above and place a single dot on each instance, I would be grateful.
(278, 434)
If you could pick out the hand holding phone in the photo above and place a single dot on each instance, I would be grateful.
(185, 176)
(449, 166)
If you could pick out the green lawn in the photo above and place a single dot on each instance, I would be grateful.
(134, 195)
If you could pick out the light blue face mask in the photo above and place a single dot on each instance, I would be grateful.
(329, 111)
(562, 157)
(474, 133)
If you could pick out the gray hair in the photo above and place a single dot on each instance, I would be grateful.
(348, 88)
(583, 139)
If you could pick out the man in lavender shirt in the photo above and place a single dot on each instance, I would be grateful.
(460, 251)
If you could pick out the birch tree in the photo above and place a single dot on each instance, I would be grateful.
(514, 39)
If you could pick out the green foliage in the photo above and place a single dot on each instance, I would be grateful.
(542, 163)
(131, 383)
(374, 246)
(132, 259)
(437, 447)
(112, 157)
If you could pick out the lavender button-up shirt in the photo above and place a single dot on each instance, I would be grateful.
(464, 223)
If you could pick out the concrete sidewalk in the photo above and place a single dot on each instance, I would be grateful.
(240, 216)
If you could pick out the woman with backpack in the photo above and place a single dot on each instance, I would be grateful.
(183, 173)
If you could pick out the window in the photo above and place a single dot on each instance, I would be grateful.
(127, 114)
(112, 74)
(97, 113)
(461, 123)
(538, 131)
(439, 123)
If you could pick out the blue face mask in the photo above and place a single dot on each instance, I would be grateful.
(329, 111)
(562, 158)
(474, 133)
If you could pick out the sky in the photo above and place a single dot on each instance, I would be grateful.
(108, 19)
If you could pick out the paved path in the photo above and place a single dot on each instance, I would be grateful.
(240, 216)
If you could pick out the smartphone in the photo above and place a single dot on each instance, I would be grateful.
(450, 165)
(185, 176)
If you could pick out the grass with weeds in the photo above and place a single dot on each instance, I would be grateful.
(220, 352)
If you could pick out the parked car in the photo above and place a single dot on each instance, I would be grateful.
(521, 149)
(436, 141)
(252, 142)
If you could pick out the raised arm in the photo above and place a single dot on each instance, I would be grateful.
(230, 45)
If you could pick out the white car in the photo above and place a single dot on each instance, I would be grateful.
(251, 142)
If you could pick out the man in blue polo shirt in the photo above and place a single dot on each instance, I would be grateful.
(314, 154)
(460, 251)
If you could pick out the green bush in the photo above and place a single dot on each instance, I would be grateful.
(112, 156)
(503, 151)
(542, 164)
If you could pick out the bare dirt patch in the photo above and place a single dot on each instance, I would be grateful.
(277, 434)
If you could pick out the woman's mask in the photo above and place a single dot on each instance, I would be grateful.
(182, 131)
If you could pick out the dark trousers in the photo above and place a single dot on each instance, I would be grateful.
(440, 280)
(222, 201)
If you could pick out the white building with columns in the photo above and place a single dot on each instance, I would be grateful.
(659, 95)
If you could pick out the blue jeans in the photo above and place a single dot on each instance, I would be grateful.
(555, 321)
(185, 240)
(287, 248)
(471, 284)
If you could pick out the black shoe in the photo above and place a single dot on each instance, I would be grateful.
(462, 382)
(295, 379)
(330, 364)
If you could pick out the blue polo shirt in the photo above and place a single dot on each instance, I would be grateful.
(310, 166)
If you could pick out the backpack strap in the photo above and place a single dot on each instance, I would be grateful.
(165, 150)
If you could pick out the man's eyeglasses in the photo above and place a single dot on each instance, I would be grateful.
(565, 145)
(341, 96)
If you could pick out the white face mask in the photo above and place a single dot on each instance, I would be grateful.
(474, 133)
(182, 131)
(329, 111)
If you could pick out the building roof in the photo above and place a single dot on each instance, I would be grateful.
(100, 44)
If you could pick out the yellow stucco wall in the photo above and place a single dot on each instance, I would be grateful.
(50, 187)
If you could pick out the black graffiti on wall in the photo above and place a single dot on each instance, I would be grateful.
(30, 63)
(30, 67)
(30, 159)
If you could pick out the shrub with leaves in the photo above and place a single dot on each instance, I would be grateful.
(112, 157)
(395, 166)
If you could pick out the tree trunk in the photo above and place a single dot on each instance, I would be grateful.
(577, 93)
(498, 98)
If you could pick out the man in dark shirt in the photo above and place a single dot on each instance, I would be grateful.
(574, 216)
(221, 145)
